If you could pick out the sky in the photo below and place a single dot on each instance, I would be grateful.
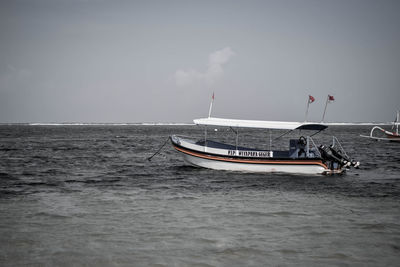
(161, 61)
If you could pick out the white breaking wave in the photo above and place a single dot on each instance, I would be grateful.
(169, 123)
(109, 124)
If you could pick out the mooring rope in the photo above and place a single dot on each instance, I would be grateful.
(158, 151)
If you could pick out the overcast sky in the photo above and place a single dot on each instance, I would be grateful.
(161, 61)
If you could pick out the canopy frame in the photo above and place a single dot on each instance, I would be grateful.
(273, 125)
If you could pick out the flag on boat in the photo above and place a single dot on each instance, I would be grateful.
(310, 100)
(329, 99)
(213, 96)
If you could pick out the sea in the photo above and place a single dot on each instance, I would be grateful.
(87, 195)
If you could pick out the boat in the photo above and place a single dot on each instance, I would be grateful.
(392, 136)
(301, 157)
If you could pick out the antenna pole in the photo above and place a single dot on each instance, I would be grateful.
(326, 104)
(211, 104)
(310, 99)
(308, 105)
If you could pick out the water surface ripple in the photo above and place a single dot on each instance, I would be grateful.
(86, 195)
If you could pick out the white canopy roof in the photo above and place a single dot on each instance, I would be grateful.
(283, 125)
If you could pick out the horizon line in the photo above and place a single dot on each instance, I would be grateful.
(158, 123)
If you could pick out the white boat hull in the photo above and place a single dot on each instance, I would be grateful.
(218, 156)
(251, 167)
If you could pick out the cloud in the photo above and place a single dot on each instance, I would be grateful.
(216, 60)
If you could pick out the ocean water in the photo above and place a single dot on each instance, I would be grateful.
(86, 196)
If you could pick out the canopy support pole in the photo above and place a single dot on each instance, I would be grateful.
(205, 138)
(285, 133)
(237, 139)
(316, 133)
(270, 140)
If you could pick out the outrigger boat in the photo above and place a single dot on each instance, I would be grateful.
(302, 157)
(392, 136)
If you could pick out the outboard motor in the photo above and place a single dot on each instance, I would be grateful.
(348, 162)
(338, 154)
(327, 153)
(335, 155)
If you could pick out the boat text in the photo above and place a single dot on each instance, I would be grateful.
(256, 154)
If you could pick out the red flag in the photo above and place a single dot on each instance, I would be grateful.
(331, 98)
(213, 96)
(310, 99)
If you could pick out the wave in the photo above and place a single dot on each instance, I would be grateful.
(109, 124)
